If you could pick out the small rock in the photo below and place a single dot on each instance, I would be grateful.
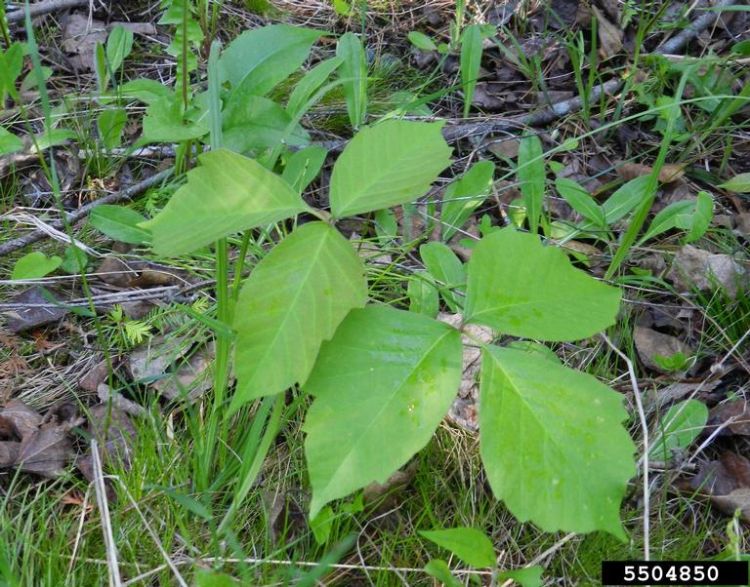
(651, 345)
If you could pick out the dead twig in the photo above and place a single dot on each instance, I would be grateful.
(75, 216)
(40, 8)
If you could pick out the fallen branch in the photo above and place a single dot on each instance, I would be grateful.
(44, 8)
(75, 216)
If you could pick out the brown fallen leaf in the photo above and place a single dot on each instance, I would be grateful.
(22, 418)
(610, 35)
(46, 452)
(696, 268)
(80, 36)
(94, 377)
(667, 174)
(726, 482)
(9, 453)
(399, 479)
(563, 13)
(733, 415)
(31, 308)
(285, 518)
(114, 433)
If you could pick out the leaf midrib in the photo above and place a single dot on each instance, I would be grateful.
(387, 403)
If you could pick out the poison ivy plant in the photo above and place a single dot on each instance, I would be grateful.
(469, 544)
(381, 378)
(259, 59)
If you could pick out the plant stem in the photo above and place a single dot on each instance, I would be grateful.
(223, 301)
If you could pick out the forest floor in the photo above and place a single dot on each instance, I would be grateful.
(105, 342)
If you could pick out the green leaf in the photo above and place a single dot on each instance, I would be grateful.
(304, 166)
(580, 200)
(520, 287)
(309, 84)
(465, 195)
(120, 223)
(471, 59)
(386, 374)
(421, 41)
(552, 443)
(423, 296)
(293, 301)
(667, 219)
(701, 218)
(110, 124)
(353, 74)
(260, 58)
(322, 524)
(439, 569)
(9, 143)
(447, 269)
(526, 577)
(227, 193)
(739, 184)
(119, 46)
(678, 429)
(35, 265)
(208, 578)
(253, 122)
(164, 123)
(74, 261)
(53, 138)
(469, 544)
(100, 67)
(388, 164)
(625, 198)
(11, 65)
(531, 178)
(146, 90)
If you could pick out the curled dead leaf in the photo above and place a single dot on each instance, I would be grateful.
(667, 174)
(733, 416)
(610, 35)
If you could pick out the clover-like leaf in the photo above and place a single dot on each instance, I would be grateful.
(381, 386)
(518, 286)
(293, 301)
(225, 194)
(552, 442)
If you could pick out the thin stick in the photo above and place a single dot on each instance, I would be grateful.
(694, 29)
(126, 194)
(44, 8)
(101, 502)
(644, 427)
